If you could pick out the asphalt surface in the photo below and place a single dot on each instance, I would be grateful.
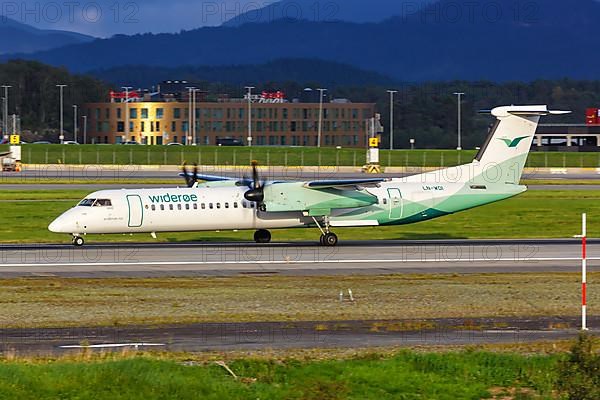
(299, 258)
(293, 335)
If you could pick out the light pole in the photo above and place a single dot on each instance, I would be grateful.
(84, 129)
(62, 133)
(320, 128)
(249, 89)
(75, 123)
(392, 92)
(194, 119)
(5, 115)
(190, 134)
(459, 95)
(127, 130)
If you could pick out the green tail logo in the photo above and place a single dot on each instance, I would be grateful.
(514, 142)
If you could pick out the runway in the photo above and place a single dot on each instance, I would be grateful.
(294, 335)
(304, 258)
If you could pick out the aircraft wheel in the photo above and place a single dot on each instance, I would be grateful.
(78, 241)
(322, 240)
(330, 239)
(262, 236)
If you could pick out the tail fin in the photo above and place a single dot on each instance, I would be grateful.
(507, 146)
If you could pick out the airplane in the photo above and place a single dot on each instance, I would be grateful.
(223, 203)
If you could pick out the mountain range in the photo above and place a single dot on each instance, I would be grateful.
(23, 38)
(445, 40)
(359, 11)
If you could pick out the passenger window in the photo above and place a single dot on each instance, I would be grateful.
(179, 206)
(195, 206)
(235, 205)
(171, 207)
(203, 206)
(244, 205)
(162, 207)
(226, 205)
(210, 205)
(384, 201)
(218, 205)
(153, 207)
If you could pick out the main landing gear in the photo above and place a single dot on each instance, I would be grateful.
(77, 241)
(328, 238)
(262, 236)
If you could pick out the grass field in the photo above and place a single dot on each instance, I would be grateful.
(407, 375)
(535, 214)
(281, 156)
(55, 302)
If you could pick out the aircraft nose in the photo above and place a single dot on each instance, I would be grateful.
(57, 226)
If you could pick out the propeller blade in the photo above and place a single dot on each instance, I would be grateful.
(186, 176)
(195, 177)
(255, 177)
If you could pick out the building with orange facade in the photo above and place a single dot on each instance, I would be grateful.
(164, 117)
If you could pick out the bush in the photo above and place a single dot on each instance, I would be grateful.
(579, 374)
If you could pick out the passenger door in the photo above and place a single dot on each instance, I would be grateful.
(136, 211)
(396, 203)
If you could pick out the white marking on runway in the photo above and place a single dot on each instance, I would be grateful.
(291, 262)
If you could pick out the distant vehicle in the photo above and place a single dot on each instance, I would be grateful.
(70, 142)
(42, 142)
(130, 142)
(174, 144)
(229, 142)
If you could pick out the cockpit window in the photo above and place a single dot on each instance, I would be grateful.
(95, 203)
(86, 202)
(103, 203)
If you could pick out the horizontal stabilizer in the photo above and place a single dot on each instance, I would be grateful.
(343, 182)
(540, 110)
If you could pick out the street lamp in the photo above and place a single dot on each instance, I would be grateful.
(84, 129)
(75, 123)
(392, 92)
(459, 94)
(5, 115)
(194, 118)
(62, 133)
(190, 135)
(320, 129)
(249, 89)
(127, 130)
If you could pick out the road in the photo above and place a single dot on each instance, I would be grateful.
(303, 258)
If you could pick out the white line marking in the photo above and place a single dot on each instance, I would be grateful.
(291, 262)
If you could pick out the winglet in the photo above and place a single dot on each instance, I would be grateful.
(539, 110)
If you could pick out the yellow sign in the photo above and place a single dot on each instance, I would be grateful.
(374, 142)
(373, 169)
(15, 139)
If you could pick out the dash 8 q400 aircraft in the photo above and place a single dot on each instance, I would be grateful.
(221, 203)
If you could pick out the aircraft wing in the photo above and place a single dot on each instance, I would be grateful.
(210, 178)
(343, 183)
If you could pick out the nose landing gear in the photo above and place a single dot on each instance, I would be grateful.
(77, 241)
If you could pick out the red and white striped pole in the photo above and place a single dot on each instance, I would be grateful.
(583, 272)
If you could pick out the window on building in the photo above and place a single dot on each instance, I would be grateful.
(118, 113)
(160, 113)
(176, 113)
(133, 114)
(120, 126)
(144, 113)
(143, 126)
(173, 126)
(107, 113)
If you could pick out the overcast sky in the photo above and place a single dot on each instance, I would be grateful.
(105, 18)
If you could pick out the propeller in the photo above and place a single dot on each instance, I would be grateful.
(190, 180)
(256, 193)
